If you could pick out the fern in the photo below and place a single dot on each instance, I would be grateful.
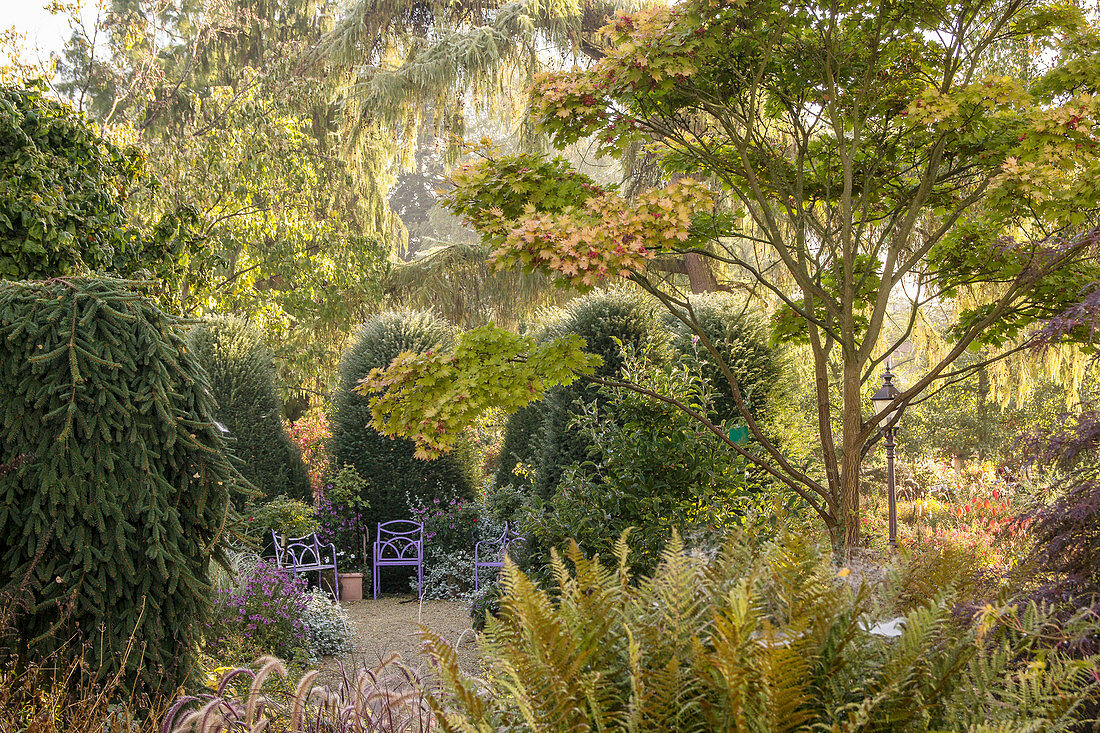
(759, 639)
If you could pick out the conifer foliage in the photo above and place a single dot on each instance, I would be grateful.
(115, 486)
(242, 378)
(388, 466)
(609, 322)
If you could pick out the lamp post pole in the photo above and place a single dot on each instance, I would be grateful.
(883, 401)
(891, 490)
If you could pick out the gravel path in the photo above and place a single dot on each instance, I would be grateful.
(389, 625)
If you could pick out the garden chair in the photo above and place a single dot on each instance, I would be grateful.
(399, 542)
(304, 555)
(495, 549)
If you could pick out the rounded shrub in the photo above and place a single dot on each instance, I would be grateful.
(740, 337)
(392, 475)
(114, 481)
(330, 630)
(609, 322)
(242, 379)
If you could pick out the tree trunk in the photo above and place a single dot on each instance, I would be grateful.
(850, 455)
(699, 272)
(697, 268)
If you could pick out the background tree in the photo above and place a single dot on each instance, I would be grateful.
(65, 194)
(417, 65)
(241, 128)
(242, 380)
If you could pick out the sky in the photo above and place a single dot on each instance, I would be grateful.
(45, 33)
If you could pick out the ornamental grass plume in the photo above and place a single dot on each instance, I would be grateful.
(384, 699)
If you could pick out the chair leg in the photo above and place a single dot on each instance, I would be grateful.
(336, 583)
(374, 581)
(420, 580)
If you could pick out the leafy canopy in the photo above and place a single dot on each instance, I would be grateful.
(434, 395)
(64, 191)
(542, 217)
(862, 160)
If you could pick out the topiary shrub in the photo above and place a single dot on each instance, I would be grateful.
(391, 475)
(242, 378)
(742, 341)
(114, 481)
(609, 322)
(522, 433)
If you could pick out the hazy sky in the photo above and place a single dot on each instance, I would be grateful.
(45, 32)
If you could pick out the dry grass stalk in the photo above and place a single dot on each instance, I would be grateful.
(387, 698)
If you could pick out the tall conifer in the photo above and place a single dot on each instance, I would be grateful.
(114, 482)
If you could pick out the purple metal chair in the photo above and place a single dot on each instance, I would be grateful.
(495, 549)
(399, 542)
(304, 555)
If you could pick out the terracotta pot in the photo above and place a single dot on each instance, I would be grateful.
(351, 586)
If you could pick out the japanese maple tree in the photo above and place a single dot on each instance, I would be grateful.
(848, 163)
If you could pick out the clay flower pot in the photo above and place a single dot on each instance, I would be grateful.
(351, 586)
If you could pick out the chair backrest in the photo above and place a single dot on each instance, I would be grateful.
(293, 552)
(399, 539)
(511, 538)
(496, 547)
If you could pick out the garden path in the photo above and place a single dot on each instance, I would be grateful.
(390, 624)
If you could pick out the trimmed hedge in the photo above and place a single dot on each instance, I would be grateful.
(114, 481)
(741, 339)
(540, 434)
(522, 434)
(242, 378)
(391, 474)
(604, 320)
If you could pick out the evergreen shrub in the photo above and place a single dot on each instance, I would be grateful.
(611, 323)
(242, 378)
(286, 516)
(392, 476)
(741, 339)
(521, 438)
(114, 481)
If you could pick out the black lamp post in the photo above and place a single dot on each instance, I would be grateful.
(882, 399)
